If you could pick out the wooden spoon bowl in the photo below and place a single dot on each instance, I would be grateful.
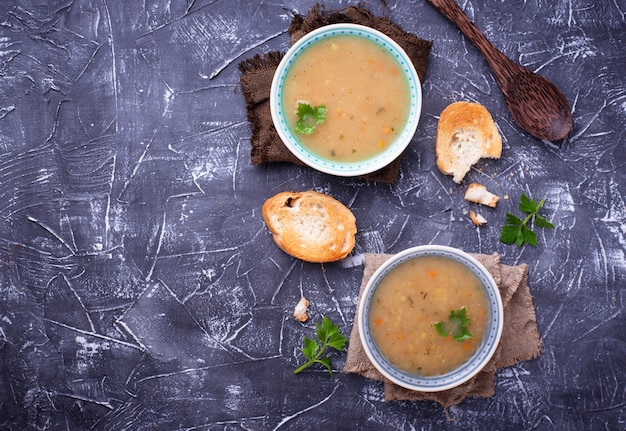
(535, 103)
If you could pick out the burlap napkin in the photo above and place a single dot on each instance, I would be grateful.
(257, 73)
(520, 338)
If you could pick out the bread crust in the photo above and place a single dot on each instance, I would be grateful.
(466, 133)
(310, 226)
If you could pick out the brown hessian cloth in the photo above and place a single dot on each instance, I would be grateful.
(257, 73)
(520, 338)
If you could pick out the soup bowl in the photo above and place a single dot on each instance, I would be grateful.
(283, 113)
(492, 322)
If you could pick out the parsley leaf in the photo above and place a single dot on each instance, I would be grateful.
(528, 206)
(328, 335)
(440, 329)
(309, 117)
(517, 231)
(542, 222)
(309, 348)
(456, 325)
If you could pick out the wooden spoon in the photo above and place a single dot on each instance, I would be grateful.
(535, 103)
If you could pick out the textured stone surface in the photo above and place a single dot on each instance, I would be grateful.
(140, 289)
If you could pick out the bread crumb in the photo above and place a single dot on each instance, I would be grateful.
(301, 310)
(478, 193)
(477, 219)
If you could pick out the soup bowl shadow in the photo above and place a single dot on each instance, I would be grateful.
(280, 112)
(466, 370)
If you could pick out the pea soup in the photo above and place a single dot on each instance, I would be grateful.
(411, 299)
(361, 85)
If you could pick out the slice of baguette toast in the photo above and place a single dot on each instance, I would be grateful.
(466, 133)
(310, 226)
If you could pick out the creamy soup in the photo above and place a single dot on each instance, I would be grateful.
(365, 94)
(415, 295)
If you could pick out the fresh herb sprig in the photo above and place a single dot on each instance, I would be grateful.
(517, 230)
(328, 335)
(456, 325)
(309, 117)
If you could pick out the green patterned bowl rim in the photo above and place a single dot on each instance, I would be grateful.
(363, 167)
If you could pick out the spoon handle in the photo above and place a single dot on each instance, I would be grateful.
(497, 60)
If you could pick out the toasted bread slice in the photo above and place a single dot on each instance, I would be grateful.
(466, 133)
(310, 226)
(479, 194)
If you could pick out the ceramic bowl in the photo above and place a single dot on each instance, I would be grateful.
(290, 139)
(465, 371)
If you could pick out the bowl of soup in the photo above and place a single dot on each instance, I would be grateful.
(346, 100)
(430, 318)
